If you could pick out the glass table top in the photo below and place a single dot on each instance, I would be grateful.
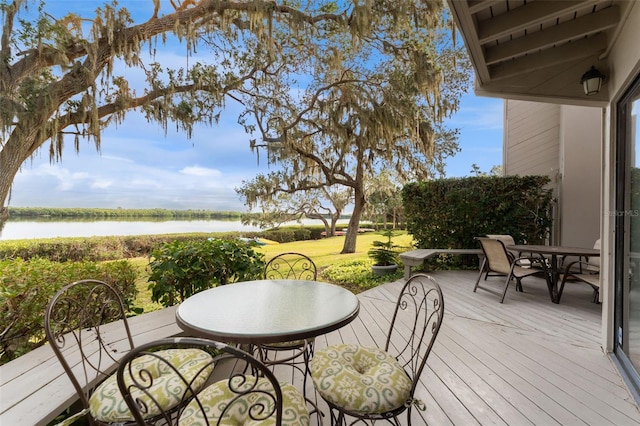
(267, 311)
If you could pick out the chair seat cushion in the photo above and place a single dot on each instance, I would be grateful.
(107, 404)
(256, 407)
(360, 379)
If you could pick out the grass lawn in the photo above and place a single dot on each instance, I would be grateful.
(324, 252)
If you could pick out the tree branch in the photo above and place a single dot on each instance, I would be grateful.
(131, 37)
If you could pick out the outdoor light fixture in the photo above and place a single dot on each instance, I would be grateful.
(592, 81)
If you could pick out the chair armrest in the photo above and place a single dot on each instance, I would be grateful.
(583, 268)
(532, 261)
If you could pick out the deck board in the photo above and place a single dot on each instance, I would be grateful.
(524, 362)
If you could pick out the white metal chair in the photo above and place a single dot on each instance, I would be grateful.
(291, 266)
(296, 353)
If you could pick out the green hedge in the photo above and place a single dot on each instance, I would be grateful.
(450, 213)
(287, 235)
(96, 248)
(181, 269)
(27, 286)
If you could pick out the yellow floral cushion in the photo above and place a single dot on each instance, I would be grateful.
(107, 404)
(360, 379)
(236, 410)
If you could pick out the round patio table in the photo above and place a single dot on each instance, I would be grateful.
(553, 252)
(267, 311)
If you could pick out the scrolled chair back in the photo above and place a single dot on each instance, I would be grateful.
(421, 306)
(371, 384)
(241, 388)
(294, 266)
(74, 323)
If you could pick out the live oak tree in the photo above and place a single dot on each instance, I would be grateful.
(64, 78)
(384, 198)
(370, 104)
(280, 200)
(367, 82)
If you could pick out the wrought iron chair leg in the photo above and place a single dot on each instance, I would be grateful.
(307, 355)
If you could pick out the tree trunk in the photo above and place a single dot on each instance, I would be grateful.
(12, 156)
(354, 224)
(334, 222)
(327, 227)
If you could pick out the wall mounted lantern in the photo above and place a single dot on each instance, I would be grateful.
(592, 81)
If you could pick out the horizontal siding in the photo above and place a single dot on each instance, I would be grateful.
(532, 138)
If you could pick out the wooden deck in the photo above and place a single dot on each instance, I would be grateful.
(525, 362)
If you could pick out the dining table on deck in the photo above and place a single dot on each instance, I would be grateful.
(554, 254)
(267, 311)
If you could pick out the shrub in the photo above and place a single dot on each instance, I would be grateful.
(96, 248)
(385, 253)
(181, 269)
(356, 275)
(27, 286)
(450, 213)
(280, 235)
(289, 234)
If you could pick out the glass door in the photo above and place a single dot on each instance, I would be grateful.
(627, 263)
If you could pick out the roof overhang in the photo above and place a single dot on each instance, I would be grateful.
(539, 49)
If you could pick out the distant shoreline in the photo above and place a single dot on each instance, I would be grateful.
(109, 213)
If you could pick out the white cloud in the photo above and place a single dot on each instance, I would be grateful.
(117, 158)
(200, 171)
(479, 113)
(102, 184)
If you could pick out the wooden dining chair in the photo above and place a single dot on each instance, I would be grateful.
(242, 390)
(370, 384)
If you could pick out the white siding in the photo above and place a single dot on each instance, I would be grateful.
(532, 140)
(580, 190)
(563, 143)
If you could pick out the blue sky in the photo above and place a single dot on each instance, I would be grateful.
(139, 167)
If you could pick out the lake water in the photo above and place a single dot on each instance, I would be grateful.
(16, 230)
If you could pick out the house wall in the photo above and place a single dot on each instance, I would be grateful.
(532, 140)
(624, 66)
(580, 170)
(565, 143)
(583, 142)
(532, 144)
